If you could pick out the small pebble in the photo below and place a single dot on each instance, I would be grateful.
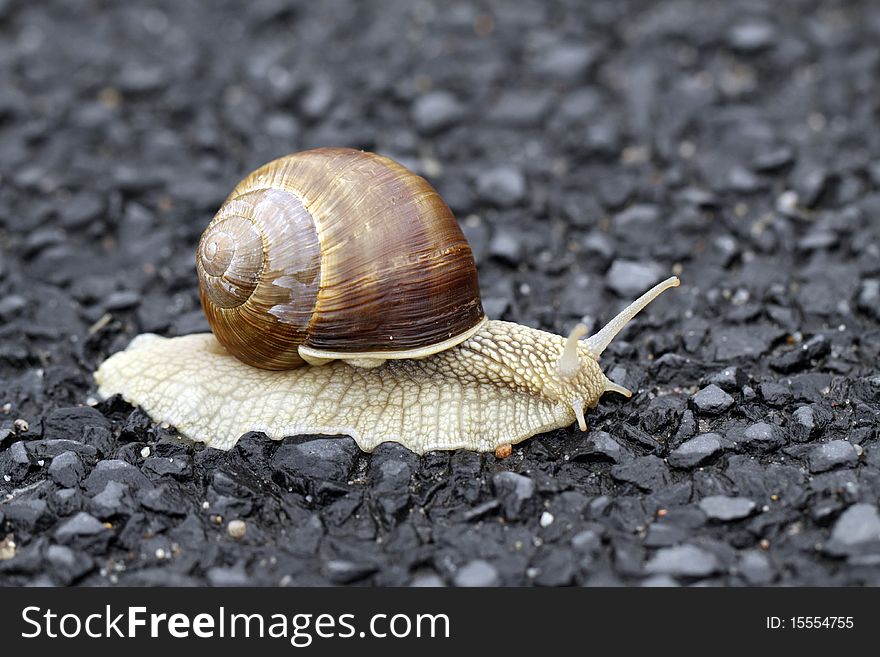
(752, 36)
(477, 573)
(803, 426)
(832, 455)
(67, 469)
(504, 186)
(729, 379)
(696, 451)
(761, 436)
(629, 278)
(683, 561)
(7, 547)
(857, 530)
(513, 490)
(724, 508)
(236, 529)
(435, 111)
(712, 400)
(755, 567)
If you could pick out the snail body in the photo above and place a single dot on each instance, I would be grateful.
(303, 304)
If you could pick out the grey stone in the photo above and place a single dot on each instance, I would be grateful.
(514, 491)
(712, 400)
(730, 379)
(736, 343)
(113, 500)
(98, 438)
(663, 534)
(802, 356)
(803, 426)
(164, 498)
(27, 515)
(504, 186)
(659, 582)
(741, 179)
(774, 159)
(435, 111)
(688, 425)
(752, 35)
(868, 300)
(427, 580)
(724, 508)
(15, 462)
(775, 394)
(227, 576)
(760, 437)
(507, 245)
(11, 305)
(82, 524)
(67, 564)
(322, 458)
(565, 61)
(67, 469)
(115, 470)
(71, 422)
(600, 446)
(636, 219)
(478, 572)
(554, 566)
(696, 451)
(391, 467)
(317, 99)
(67, 501)
(683, 561)
(179, 467)
(832, 455)
(49, 449)
(629, 278)
(521, 108)
(856, 531)
(122, 300)
(343, 571)
(587, 541)
(755, 567)
(647, 472)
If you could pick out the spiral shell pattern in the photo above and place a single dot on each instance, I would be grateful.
(338, 250)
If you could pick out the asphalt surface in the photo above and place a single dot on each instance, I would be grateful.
(589, 149)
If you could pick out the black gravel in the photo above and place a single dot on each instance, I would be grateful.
(589, 149)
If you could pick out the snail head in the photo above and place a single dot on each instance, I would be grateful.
(578, 365)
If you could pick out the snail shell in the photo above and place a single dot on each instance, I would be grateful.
(336, 253)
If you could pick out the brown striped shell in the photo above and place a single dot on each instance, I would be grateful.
(336, 251)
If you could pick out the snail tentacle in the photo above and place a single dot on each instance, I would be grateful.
(569, 362)
(578, 407)
(598, 342)
(610, 386)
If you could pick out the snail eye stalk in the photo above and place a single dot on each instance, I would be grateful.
(569, 363)
(597, 343)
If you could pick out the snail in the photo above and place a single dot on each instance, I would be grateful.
(343, 299)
